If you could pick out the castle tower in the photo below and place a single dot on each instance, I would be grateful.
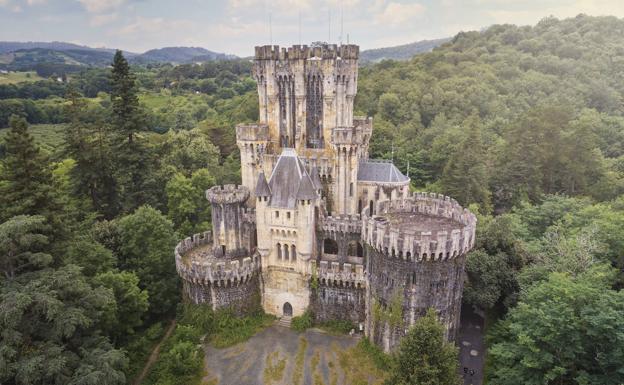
(286, 212)
(305, 92)
(351, 146)
(252, 141)
(227, 219)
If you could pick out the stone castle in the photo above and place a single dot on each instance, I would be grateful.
(318, 225)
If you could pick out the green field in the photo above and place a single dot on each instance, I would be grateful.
(17, 77)
(48, 136)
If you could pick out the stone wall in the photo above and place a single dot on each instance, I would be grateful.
(421, 285)
(242, 298)
(329, 302)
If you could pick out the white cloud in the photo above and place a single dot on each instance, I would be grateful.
(103, 19)
(101, 6)
(399, 13)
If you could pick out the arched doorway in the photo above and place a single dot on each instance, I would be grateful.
(287, 309)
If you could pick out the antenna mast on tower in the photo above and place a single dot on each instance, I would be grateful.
(270, 29)
(329, 24)
(341, 22)
(300, 27)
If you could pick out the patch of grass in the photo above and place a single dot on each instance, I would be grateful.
(362, 364)
(333, 372)
(18, 77)
(50, 137)
(317, 377)
(299, 362)
(230, 330)
(141, 346)
(181, 359)
(382, 360)
(302, 322)
(223, 328)
(337, 326)
(274, 368)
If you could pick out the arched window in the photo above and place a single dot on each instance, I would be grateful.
(370, 209)
(355, 249)
(359, 207)
(285, 252)
(330, 246)
(293, 253)
(279, 251)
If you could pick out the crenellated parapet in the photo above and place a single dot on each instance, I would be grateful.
(424, 226)
(339, 274)
(295, 52)
(227, 194)
(252, 132)
(342, 224)
(204, 268)
(356, 135)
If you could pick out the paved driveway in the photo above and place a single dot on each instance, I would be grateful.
(471, 347)
(279, 355)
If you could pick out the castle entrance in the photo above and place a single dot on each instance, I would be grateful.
(287, 309)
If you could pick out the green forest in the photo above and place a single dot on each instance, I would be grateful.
(102, 173)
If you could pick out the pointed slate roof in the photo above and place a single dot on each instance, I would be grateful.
(306, 189)
(316, 178)
(286, 178)
(262, 187)
(382, 171)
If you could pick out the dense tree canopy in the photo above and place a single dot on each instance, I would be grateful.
(563, 331)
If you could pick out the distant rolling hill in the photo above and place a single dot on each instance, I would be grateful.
(180, 55)
(401, 52)
(12, 46)
(28, 55)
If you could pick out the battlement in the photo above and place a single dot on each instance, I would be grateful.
(204, 268)
(227, 194)
(424, 226)
(298, 52)
(358, 134)
(363, 122)
(342, 224)
(339, 274)
(252, 132)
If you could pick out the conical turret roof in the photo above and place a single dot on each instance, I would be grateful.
(306, 189)
(262, 187)
(316, 178)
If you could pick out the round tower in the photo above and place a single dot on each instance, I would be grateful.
(228, 210)
(416, 250)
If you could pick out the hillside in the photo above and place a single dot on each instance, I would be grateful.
(11, 46)
(179, 55)
(503, 77)
(70, 57)
(401, 52)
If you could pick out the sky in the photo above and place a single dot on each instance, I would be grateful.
(236, 26)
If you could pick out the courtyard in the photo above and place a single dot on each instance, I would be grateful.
(279, 355)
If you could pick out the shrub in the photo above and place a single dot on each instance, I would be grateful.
(302, 322)
(337, 326)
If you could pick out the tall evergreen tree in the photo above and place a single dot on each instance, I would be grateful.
(465, 175)
(132, 160)
(88, 143)
(26, 185)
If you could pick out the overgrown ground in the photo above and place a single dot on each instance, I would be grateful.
(282, 356)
